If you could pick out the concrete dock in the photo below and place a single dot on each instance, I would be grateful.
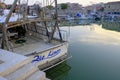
(17, 67)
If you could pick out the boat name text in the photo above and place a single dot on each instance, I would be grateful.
(51, 54)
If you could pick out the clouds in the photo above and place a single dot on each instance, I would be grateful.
(83, 2)
(86, 2)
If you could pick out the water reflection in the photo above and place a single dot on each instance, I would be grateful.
(97, 32)
(115, 26)
(79, 22)
(83, 22)
(59, 72)
(95, 50)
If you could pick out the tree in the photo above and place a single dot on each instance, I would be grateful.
(64, 6)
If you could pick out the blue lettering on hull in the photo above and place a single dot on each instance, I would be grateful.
(50, 55)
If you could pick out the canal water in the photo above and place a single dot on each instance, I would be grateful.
(95, 50)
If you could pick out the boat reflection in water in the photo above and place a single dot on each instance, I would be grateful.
(58, 72)
(115, 26)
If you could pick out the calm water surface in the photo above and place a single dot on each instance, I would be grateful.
(95, 50)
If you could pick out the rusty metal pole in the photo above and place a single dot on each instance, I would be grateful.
(56, 17)
(56, 23)
(4, 29)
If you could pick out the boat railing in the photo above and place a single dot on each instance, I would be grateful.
(47, 49)
(63, 33)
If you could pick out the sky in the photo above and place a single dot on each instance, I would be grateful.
(87, 2)
(83, 2)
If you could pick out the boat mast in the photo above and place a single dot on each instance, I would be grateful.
(56, 23)
(4, 29)
(57, 20)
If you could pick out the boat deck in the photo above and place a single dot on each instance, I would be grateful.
(14, 67)
(31, 45)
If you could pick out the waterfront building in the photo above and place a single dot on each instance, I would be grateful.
(94, 8)
(112, 10)
(31, 10)
(71, 10)
(112, 7)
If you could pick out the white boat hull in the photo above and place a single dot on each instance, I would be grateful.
(50, 56)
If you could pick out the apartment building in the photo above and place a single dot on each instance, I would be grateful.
(72, 9)
(112, 7)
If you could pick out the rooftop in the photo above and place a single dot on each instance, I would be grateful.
(117, 2)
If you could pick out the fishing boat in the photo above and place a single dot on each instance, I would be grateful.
(36, 36)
